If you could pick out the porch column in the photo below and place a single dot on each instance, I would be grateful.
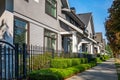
(91, 46)
(98, 49)
(74, 42)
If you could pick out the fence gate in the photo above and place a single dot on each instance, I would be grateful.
(9, 61)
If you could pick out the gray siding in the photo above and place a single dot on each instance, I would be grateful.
(36, 35)
(36, 11)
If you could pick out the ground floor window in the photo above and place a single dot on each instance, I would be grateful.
(50, 39)
(20, 31)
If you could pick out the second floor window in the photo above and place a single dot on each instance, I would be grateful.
(50, 7)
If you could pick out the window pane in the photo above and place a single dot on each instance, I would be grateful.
(50, 39)
(53, 13)
(20, 30)
(50, 7)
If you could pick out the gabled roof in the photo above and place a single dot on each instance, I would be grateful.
(85, 17)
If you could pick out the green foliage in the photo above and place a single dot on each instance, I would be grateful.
(84, 60)
(109, 50)
(112, 26)
(39, 61)
(98, 60)
(76, 61)
(43, 75)
(65, 63)
(60, 63)
(59, 74)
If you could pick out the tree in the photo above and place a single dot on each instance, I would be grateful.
(112, 26)
(109, 50)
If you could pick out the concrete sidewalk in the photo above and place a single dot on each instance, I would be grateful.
(104, 71)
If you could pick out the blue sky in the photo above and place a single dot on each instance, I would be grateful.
(99, 9)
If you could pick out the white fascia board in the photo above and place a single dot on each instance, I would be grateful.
(67, 32)
(92, 40)
(65, 9)
(71, 25)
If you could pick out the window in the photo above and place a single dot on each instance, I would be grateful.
(20, 31)
(50, 7)
(50, 39)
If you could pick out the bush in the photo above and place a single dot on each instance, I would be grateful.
(59, 74)
(38, 61)
(104, 57)
(65, 63)
(60, 63)
(84, 60)
(43, 75)
(98, 60)
(76, 61)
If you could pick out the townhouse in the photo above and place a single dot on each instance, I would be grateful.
(88, 42)
(47, 23)
(101, 43)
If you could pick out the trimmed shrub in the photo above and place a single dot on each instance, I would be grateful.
(84, 60)
(43, 75)
(98, 60)
(59, 74)
(65, 63)
(76, 61)
(61, 63)
(104, 57)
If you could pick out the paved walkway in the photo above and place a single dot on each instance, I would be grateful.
(104, 71)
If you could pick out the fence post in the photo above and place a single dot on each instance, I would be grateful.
(53, 53)
(17, 61)
(0, 62)
(24, 60)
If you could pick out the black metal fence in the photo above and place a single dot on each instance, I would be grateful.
(7, 61)
(17, 61)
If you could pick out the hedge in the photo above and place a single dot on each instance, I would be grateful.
(59, 74)
(43, 75)
(65, 63)
(98, 60)
(104, 57)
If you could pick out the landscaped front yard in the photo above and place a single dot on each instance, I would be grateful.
(62, 68)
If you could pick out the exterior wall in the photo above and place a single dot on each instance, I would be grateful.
(104, 44)
(36, 35)
(89, 28)
(38, 14)
(38, 19)
(98, 37)
(37, 32)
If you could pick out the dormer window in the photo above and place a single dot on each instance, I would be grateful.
(51, 8)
